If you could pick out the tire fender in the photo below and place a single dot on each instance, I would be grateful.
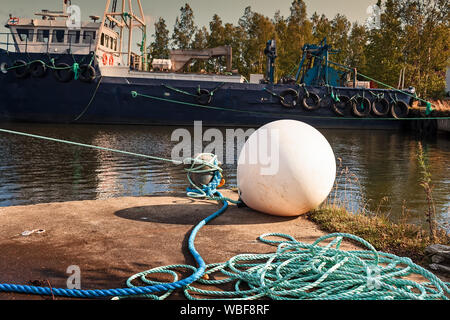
(311, 102)
(63, 72)
(361, 107)
(289, 98)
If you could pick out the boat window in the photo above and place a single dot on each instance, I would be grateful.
(106, 41)
(25, 34)
(115, 44)
(74, 36)
(112, 43)
(102, 40)
(58, 36)
(88, 36)
(43, 36)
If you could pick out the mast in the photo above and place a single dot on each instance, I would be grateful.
(120, 18)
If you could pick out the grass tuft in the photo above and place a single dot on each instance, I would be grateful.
(401, 239)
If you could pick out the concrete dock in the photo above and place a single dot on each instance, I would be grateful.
(110, 240)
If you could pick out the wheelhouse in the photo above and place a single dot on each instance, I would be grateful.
(52, 32)
(51, 36)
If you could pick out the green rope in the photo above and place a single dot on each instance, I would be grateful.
(76, 70)
(429, 109)
(194, 161)
(272, 93)
(90, 101)
(297, 271)
(306, 90)
(136, 94)
(75, 67)
(333, 96)
(378, 96)
(176, 162)
(178, 90)
(216, 88)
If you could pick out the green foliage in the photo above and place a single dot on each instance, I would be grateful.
(184, 28)
(397, 238)
(425, 183)
(159, 48)
(413, 35)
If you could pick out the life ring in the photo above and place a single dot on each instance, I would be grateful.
(13, 21)
(111, 60)
(341, 106)
(38, 69)
(380, 107)
(311, 102)
(204, 97)
(63, 72)
(87, 73)
(288, 98)
(361, 107)
(399, 110)
(105, 59)
(21, 69)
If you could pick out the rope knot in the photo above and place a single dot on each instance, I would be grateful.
(204, 175)
(76, 70)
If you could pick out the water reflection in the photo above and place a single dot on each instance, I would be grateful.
(378, 169)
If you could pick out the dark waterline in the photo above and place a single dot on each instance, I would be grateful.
(382, 175)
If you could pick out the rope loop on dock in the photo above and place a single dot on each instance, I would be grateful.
(298, 270)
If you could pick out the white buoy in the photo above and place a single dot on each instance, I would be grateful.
(286, 168)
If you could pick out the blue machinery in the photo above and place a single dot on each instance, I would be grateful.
(314, 68)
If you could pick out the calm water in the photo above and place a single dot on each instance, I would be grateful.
(382, 168)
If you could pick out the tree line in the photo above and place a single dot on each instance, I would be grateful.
(411, 36)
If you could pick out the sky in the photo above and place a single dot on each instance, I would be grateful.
(228, 10)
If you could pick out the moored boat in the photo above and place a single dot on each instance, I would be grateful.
(56, 69)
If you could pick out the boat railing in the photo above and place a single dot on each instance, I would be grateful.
(12, 43)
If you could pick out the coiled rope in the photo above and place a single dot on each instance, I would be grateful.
(302, 271)
(295, 271)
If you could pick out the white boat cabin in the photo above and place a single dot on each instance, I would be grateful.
(62, 32)
(51, 34)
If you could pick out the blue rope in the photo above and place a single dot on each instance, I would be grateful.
(126, 292)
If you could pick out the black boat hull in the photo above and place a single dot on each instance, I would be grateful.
(109, 100)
